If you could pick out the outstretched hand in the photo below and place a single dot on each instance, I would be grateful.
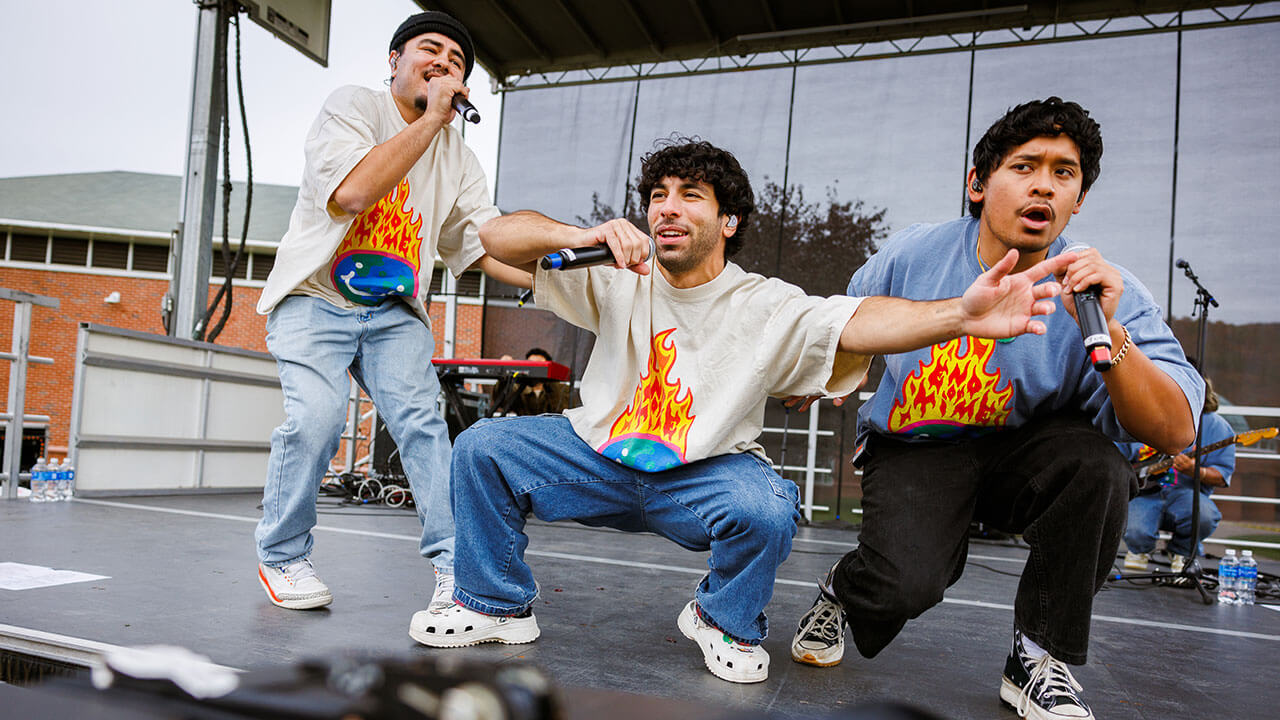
(1000, 304)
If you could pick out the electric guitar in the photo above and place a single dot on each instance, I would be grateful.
(1160, 464)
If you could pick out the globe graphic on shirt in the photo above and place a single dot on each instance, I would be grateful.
(642, 453)
(948, 430)
(367, 278)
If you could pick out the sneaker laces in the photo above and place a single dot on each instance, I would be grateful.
(443, 594)
(300, 570)
(1054, 680)
(824, 622)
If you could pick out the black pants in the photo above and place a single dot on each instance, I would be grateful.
(1057, 481)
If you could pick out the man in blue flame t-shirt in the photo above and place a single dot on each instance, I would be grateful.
(1014, 433)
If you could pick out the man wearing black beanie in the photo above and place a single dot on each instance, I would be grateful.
(388, 184)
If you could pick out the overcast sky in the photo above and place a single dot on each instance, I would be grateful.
(94, 85)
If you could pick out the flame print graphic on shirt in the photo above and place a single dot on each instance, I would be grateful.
(953, 394)
(652, 433)
(379, 255)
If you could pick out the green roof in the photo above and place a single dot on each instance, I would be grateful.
(136, 203)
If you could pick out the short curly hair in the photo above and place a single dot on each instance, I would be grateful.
(1039, 118)
(699, 160)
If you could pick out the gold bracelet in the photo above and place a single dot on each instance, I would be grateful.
(1124, 348)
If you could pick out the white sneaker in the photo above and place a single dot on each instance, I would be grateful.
(1136, 561)
(725, 657)
(1177, 563)
(819, 640)
(458, 626)
(1041, 689)
(443, 595)
(294, 586)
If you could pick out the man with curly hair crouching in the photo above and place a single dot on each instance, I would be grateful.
(688, 350)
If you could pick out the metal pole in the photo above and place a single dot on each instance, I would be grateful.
(1173, 182)
(17, 398)
(206, 391)
(811, 458)
(353, 426)
(189, 287)
(449, 285)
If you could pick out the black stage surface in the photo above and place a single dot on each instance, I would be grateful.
(182, 571)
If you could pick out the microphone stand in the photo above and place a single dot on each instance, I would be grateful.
(1204, 299)
(1191, 570)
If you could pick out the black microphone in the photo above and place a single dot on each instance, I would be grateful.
(585, 257)
(465, 108)
(1093, 322)
(1182, 264)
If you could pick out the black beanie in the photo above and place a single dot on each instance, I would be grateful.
(437, 22)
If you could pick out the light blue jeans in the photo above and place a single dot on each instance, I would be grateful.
(1169, 509)
(736, 506)
(387, 349)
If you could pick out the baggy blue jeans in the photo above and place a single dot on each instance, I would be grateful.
(1169, 509)
(387, 349)
(735, 505)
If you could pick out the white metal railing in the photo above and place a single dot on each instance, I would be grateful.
(810, 467)
(16, 415)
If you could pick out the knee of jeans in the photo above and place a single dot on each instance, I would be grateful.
(773, 521)
(759, 526)
(1139, 537)
(913, 593)
(472, 444)
(471, 439)
(1208, 522)
(312, 420)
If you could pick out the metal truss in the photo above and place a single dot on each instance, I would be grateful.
(1114, 27)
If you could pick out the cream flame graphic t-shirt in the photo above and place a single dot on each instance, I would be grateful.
(389, 249)
(682, 374)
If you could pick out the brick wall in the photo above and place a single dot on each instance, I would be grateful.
(53, 332)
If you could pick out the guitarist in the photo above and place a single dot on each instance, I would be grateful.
(1166, 503)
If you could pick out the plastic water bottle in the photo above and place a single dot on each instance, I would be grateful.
(38, 481)
(67, 481)
(1228, 569)
(55, 484)
(1247, 582)
(51, 481)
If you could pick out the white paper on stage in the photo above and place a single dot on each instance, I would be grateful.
(20, 576)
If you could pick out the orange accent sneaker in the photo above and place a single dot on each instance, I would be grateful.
(294, 586)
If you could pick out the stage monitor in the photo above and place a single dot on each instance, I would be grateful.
(303, 24)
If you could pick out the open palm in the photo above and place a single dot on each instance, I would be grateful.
(1000, 305)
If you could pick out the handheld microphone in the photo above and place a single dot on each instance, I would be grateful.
(465, 108)
(1093, 322)
(585, 257)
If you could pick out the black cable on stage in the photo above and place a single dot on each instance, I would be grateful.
(994, 570)
(230, 262)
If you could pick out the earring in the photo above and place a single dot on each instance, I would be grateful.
(975, 186)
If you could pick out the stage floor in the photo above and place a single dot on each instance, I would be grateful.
(181, 570)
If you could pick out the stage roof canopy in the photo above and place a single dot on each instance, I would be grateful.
(522, 37)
